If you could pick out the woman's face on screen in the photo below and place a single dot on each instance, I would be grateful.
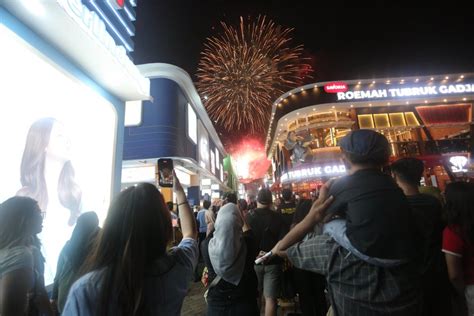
(59, 146)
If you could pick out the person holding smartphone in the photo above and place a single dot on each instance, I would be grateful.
(130, 270)
(166, 172)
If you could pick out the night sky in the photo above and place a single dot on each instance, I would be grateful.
(345, 43)
(342, 43)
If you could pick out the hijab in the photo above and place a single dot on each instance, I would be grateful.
(227, 250)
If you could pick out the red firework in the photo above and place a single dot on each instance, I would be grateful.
(249, 160)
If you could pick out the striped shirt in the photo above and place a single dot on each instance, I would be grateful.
(356, 287)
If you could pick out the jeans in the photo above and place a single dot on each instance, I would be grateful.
(469, 292)
(231, 308)
(337, 230)
(310, 287)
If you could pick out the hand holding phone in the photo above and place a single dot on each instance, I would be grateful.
(165, 172)
(263, 258)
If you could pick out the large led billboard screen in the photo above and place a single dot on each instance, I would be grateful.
(58, 137)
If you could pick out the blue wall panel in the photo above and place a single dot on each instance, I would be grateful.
(163, 131)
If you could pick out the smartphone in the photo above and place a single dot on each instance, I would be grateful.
(165, 172)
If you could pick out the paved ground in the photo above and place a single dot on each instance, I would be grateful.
(194, 304)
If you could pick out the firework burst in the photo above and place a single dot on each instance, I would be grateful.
(244, 69)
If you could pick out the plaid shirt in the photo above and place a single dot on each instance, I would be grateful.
(355, 287)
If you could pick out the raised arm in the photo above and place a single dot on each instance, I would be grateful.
(188, 222)
(315, 216)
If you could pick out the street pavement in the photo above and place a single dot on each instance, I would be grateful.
(194, 304)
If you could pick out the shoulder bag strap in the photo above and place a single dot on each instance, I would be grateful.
(215, 281)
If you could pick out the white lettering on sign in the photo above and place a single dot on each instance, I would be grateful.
(458, 163)
(313, 172)
(405, 92)
(335, 87)
(95, 27)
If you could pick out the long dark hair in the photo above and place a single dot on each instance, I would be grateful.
(135, 233)
(32, 171)
(17, 215)
(460, 208)
(82, 238)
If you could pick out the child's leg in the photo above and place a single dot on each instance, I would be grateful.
(337, 230)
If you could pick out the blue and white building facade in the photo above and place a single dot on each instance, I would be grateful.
(173, 124)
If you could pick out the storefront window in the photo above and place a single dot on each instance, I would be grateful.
(397, 120)
(366, 121)
(411, 119)
(381, 120)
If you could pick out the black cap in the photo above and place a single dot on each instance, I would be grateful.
(265, 197)
(366, 144)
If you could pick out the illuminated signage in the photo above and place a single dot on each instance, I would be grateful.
(213, 162)
(54, 128)
(96, 28)
(405, 92)
(192, 124)
(203, 146)
(313, 172)
(117, 4)
(217, 159)
(335, 87)
(458, 163)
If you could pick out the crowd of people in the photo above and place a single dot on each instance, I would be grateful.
(370, 243)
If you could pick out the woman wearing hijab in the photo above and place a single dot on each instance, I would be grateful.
(229, 253)
(72, 257)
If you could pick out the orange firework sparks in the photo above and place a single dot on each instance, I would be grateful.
(244, 69)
